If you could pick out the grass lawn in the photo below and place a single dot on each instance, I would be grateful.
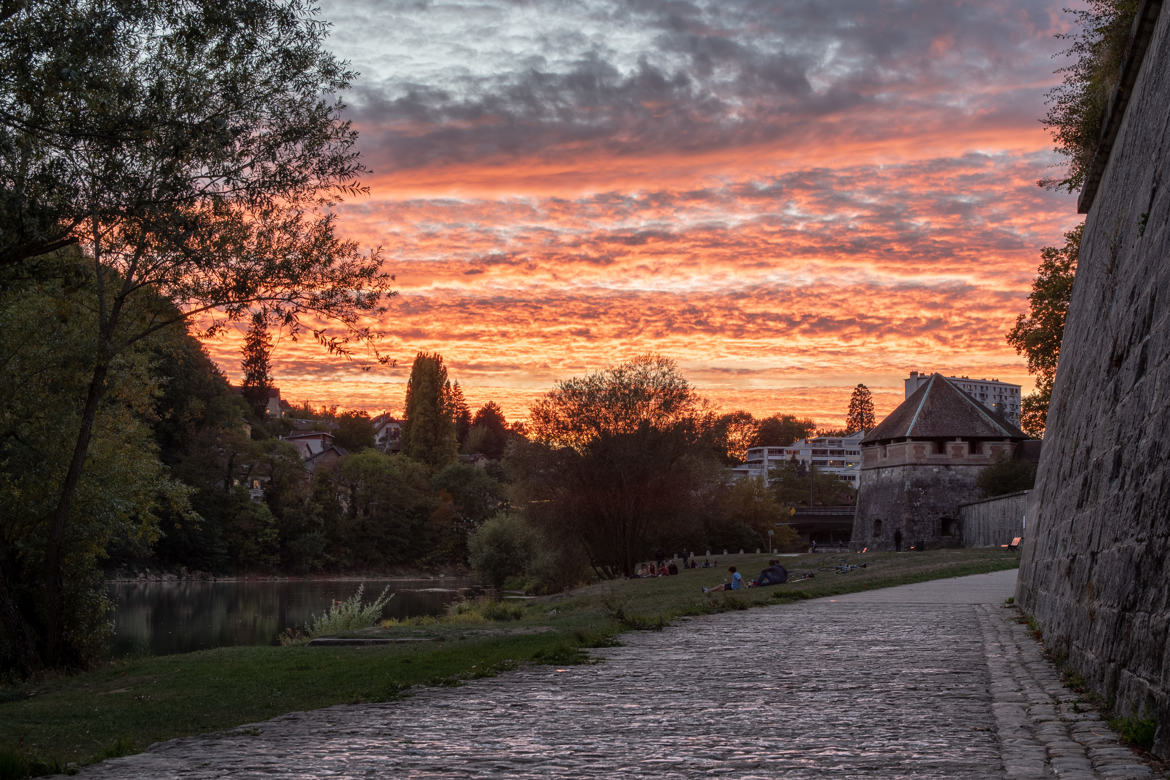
(128, 704)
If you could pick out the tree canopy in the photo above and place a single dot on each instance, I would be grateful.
(733, 434)
(1037, 334)
(190, 147)
(646, 392)
(780, 430)
(1006, 475)
(193, 149)
(489, 432)
(795, 484)
(622, 459)
(355, 431)
(257, 386)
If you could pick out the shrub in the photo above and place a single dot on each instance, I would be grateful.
(504, 546)
(484, 610)
(1005, 476)
(349, 615)
(1076, 108)
(1138, 732)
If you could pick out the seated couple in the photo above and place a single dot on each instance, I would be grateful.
(773, 575)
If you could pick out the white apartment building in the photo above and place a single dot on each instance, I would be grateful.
(836, 455)
(995, 395)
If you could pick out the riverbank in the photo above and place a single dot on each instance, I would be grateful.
(127, 705)
(183, 574)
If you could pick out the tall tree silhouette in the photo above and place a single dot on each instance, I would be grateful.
(860, 416)
(428, 427)
(257, 385)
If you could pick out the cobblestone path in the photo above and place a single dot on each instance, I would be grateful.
(935, 680)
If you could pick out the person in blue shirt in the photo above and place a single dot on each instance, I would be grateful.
(735, 584)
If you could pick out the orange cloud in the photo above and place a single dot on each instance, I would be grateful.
(787, 203)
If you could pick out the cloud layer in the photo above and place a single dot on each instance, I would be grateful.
(788, 198)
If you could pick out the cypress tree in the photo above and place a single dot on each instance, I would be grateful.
(428, 427)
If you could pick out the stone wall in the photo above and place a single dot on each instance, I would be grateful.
(994, 521)
(899, 506)
(1095, 571)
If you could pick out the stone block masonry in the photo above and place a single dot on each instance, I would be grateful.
(903, 505)
(1095, 568)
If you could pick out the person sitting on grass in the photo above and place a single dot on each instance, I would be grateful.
(773, 575)
(735, 584)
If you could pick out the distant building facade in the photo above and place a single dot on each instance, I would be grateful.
(998, 396)
(836, 455)
(920, 464)
(387, 433)
(316, 448)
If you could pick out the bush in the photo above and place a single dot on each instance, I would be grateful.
(349, 615)
(503, 547)
(482, 611)
(1005, 476)
(1076, 108)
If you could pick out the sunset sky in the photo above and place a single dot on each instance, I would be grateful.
(788, 198)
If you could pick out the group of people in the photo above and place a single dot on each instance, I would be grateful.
(657, 569)
(663, 568)
(774, 574)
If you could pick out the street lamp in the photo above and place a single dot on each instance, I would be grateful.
(771, 549)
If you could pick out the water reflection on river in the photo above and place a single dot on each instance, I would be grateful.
(177, 617)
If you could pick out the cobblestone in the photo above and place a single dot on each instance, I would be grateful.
(936, 680)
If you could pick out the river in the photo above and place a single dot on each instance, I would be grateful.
(158, 618)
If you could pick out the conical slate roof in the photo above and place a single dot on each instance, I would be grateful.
(939, 410)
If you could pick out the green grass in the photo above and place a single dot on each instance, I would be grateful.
(126, 705)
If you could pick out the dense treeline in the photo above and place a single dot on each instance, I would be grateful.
(185, 474)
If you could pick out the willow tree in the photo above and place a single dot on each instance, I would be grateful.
(193, 148)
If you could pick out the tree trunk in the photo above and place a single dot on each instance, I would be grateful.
(54, 652)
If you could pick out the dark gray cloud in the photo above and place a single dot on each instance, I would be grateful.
(498, 80)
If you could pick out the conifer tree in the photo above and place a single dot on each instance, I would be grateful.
(860, 417)
(460, 414)
(489, 432)
(257, 351)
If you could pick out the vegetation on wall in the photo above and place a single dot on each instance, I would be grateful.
(1076, 107)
